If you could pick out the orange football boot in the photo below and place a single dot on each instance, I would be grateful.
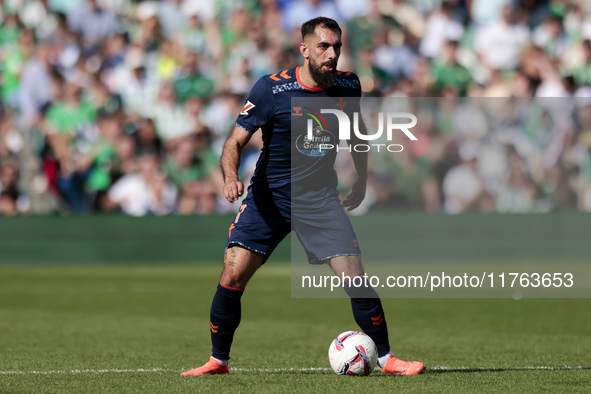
(399, 367)
(212, 367)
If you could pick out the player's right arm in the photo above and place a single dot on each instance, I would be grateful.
(230, 162)
(257, 111)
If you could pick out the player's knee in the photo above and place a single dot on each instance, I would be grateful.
(350, 266)
(230, 278)
(240, 264)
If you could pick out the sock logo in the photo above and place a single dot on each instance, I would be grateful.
(214, 329)
(377, 320)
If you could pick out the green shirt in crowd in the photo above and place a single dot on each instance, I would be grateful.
(12, 66)
(201, 169)
(100, 176)
(451, 75)
(65, 119)
(9, 35)
(194, 85)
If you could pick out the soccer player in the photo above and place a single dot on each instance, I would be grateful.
(265, 216)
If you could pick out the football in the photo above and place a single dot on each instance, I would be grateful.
(353, 353)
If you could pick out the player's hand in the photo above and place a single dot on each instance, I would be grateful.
(356, 196)
(233, 190)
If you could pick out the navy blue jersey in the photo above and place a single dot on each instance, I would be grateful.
(288, 169)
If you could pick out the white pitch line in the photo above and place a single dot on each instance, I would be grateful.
(435, 368)
(279, 369)
(565, 368)
(82, 371)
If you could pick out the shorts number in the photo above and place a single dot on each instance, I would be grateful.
(233, 225)
(242, 208)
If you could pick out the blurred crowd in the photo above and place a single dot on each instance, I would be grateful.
(484, 154)
(125, 105)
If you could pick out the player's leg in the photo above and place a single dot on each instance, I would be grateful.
(369, 314)
(240, 264)
(260, 225)
(365, 302)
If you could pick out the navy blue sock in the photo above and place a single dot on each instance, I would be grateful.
(369, 316)
(224, 320)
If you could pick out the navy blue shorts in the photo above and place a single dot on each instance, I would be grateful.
(323, 229)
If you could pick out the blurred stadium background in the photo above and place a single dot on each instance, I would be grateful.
(124, 105)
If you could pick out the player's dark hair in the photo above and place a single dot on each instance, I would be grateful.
(328, 23)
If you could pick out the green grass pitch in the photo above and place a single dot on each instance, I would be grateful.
(134, 329)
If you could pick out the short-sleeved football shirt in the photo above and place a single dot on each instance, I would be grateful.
(286, 170)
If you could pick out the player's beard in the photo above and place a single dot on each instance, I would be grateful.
(323, 79)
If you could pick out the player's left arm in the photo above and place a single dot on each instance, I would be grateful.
(360, 160)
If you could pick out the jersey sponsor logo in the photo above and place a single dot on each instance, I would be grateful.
(297, 111)
(312, 143)
(312, 146)
(247, 107)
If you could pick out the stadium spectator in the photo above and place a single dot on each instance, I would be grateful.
(38, 16)
(137, 84)
(168, 61)
(361, 30)
(114, 52)
(170, 118)
(12, 201)
(170, 16)
(190, 82)
(351, 9)
(551, 37)
(125, 162)
(193, 35)
(582, 74)
(500, 43)
(13, 63)
(448, 73)
(441, 27)
(146, 138)
(190, 167)
(518, 194)
(405, 13)
(397, 61)
(93, 23)
(37, 85)
(297, 12)
(148, 34)
(142, 193)
(69, 122)
(100, 158)
(463, 188)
